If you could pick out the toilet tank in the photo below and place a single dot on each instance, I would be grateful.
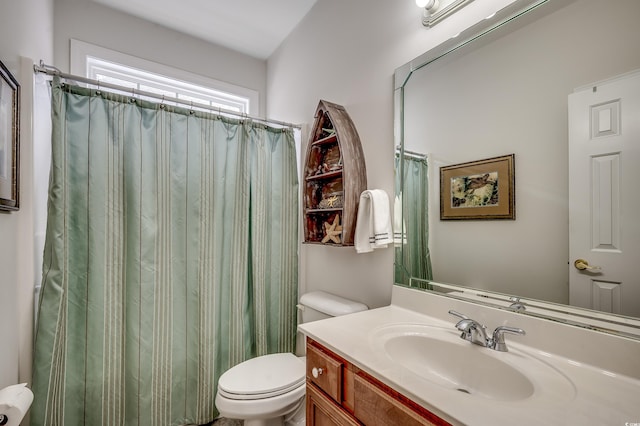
(317, 305)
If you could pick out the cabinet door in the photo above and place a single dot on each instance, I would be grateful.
(374, 407)
(325, 372)
(321, 411)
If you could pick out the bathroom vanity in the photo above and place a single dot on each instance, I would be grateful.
(338, 392)
(406, 364)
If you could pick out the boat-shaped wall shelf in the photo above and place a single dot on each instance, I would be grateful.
(334, 177)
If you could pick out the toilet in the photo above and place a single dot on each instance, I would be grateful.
(269, 390)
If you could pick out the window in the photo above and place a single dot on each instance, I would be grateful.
(98, 63)
(128, 71)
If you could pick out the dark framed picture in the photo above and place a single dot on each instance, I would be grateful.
(9, 140)
(483, 189)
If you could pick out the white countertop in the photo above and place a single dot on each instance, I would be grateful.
(600, 397)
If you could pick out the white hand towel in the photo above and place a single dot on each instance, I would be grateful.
(373, 227)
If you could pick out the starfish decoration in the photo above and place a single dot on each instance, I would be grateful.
(331, 201)
(333, 231)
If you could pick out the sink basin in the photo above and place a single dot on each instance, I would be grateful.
(462, 367)
(440, 356)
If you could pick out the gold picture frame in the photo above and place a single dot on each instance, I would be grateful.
(478, 190)
(9, 140)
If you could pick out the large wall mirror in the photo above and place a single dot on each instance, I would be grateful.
(503, 87)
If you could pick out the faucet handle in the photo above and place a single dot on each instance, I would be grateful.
(473, 331)
(498, 337)
(516, 304)
(458, 314)
(468, 329)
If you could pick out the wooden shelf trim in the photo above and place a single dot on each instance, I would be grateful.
(328, 175)
(329, 139)
(320, 243)
(329, 210)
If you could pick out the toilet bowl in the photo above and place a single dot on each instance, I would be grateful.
(269, 390)
(260, 389)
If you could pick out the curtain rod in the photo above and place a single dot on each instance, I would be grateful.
(51, 70)
(411, 153)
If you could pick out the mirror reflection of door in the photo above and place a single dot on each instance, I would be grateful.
(604, 154)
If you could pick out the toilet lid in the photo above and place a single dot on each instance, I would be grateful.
(264, 376)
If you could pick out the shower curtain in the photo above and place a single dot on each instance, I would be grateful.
(170, 256)
(412, 258)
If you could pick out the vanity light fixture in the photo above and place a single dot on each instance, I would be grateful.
(436, 10)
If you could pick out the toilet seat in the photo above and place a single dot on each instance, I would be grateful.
(266, 376)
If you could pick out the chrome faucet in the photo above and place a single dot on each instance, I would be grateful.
(497, 341)
(516, 304)
(472, 330)
(476, 333)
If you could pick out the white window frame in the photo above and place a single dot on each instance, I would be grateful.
(87, 60)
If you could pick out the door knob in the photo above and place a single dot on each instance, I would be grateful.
(582, 265)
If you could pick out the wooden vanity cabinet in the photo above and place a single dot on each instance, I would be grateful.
(339, 393)
(321, 411)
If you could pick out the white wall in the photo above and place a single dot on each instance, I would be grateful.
(94, 23)
(346, 52)
(25, 31)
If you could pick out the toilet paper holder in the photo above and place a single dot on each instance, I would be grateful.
(15, 401)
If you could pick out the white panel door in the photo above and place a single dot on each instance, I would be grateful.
(604, 201)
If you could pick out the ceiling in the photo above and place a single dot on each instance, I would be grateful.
(252, 27)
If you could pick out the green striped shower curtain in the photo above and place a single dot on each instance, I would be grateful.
(170, 256)
(411, 228)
